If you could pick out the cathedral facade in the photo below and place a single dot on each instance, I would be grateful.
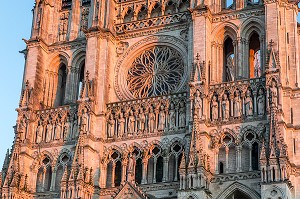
(187, 99)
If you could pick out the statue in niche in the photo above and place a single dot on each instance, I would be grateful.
(131, 121)
(261, 102)
(172, 116)
(229, 69)
(58, 130)
(182, 114)
(142, 120)
(274, 94)
(151, 120)
(225, 108)
(49, 131)
(237, 105)
(110, 126)
(162, 118)
(75, 131)
(214, 109)
(121, 125)
(84, 120)
(130, 163)
(22, 128)
(67, 129)
(39, 132)
(248, 104)
(198, 105)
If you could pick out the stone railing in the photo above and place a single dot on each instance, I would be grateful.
(146, 117)
(151, 22)
(239, 100)
(57, 124)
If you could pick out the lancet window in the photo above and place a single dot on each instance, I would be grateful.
(61, 85)
(114, 170)
(142, 14)
(229, 60)
(44, 175)
(175, 157)
(155, 165)
(255, 69)
(129, 15)
(63, 164)
(80, 79)
(170, 7)
(66, 4)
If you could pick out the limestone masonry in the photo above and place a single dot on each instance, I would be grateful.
(135, 99)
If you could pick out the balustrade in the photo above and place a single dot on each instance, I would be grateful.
(245, 99)
(152, 22)
(146, 116)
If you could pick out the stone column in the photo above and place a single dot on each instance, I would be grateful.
(144, 174)
(255, 103)
(165, 169)
(113, 175)
(227, 161)
(250, 158)
(154, 170)
(176, 169)
(124, 168)
(217, 161)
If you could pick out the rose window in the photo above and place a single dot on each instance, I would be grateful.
(156, 71)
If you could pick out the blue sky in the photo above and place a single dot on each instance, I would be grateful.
(15, 23)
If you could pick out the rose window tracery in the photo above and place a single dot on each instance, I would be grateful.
(156, 71)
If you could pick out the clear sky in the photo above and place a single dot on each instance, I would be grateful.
(15, 21)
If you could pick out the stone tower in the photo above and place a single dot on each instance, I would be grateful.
(137, 99)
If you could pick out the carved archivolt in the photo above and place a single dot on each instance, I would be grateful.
(159, 62)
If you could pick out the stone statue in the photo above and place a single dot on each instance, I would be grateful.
(172, 116)
(84, 120)
(66, 132)
(151, 120)
(121, 125)
(198, 105)
(182, 114)
(131, 121)
(229, 69)
(49, 132)
(75, 131)
(274, 94)
(22, 128)
(237, 106)
(214, 109)
(110, 126)
(261, 102)
(130, 163)
(142, 120)
(225, 108)
(162, 118)
(58, 129)
(248, 104)
(39, 132)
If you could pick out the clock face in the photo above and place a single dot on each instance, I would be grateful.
(156, 71)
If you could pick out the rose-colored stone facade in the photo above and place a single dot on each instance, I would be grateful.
(183, 99)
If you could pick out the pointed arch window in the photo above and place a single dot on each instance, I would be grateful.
(61, 85)
(229, 61)
(255, 69)
(80, 79)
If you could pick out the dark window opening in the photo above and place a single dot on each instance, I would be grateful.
(221, 167)
(229, 60)
(255, 69)
(66, 4)
(138, 171)
(118, 173)
(255, 158)
(159, 169)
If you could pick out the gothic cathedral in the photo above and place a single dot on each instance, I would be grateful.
(136, 99)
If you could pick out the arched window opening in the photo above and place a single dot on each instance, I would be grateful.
(66, 4)
(150, 170)
(170, 8)
(238, 194)
(109, 175)
(222, 160)
(138, 171)
(159, 169)
(228, 4)
(142, 13)
(229, 60)
(273, 174)
(58, 177)
(156, 11)
(61, 85)
(184, 5)
(255, 69)
(221, 167)
(255, 157)
(80, 80)
(246, 160)
(232, 160)
(172, 165)
(39, 181)
(128, 15)
(118, 173)
(44, 176)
